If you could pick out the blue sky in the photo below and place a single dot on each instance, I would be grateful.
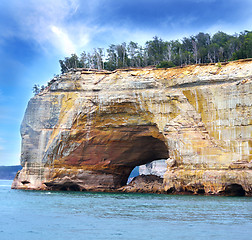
(35, 34)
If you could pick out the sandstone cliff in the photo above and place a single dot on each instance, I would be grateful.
(89, 129)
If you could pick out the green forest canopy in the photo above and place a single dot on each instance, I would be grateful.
(201, 48)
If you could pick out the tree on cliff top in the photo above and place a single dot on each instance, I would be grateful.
(70, 62)
(201, 48)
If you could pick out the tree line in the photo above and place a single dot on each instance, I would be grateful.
(201, 48)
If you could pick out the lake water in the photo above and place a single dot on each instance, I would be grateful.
(39, 215)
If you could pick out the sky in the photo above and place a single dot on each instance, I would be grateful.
(35, 34)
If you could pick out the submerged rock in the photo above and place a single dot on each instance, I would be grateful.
(89, 129)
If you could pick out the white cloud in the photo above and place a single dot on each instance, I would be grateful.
(62, 39)
(68, 26)
(47, 23)
(50, 24)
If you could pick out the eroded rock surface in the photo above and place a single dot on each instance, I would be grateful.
(144, 184)
(89, 129)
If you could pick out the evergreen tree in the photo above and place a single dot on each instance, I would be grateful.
(155, 50)
(245, 50)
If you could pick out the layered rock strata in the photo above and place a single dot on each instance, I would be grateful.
(89, 129)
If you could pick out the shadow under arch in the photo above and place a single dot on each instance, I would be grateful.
(143, 150)
(105, 161)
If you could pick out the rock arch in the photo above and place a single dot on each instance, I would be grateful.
(106, 161)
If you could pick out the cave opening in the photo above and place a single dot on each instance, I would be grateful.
(70, 187)
(66, 186)
(234, 190)
(144, 150)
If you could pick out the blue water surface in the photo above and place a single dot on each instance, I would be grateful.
(43, 215)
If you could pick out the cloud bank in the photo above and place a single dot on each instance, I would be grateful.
(69, 26)
(45, 23)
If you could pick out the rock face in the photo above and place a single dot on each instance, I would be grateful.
(144, 184)
(89, 129)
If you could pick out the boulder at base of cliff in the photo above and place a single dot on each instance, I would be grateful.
(144, 184)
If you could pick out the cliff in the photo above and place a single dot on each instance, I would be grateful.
(89, 129)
